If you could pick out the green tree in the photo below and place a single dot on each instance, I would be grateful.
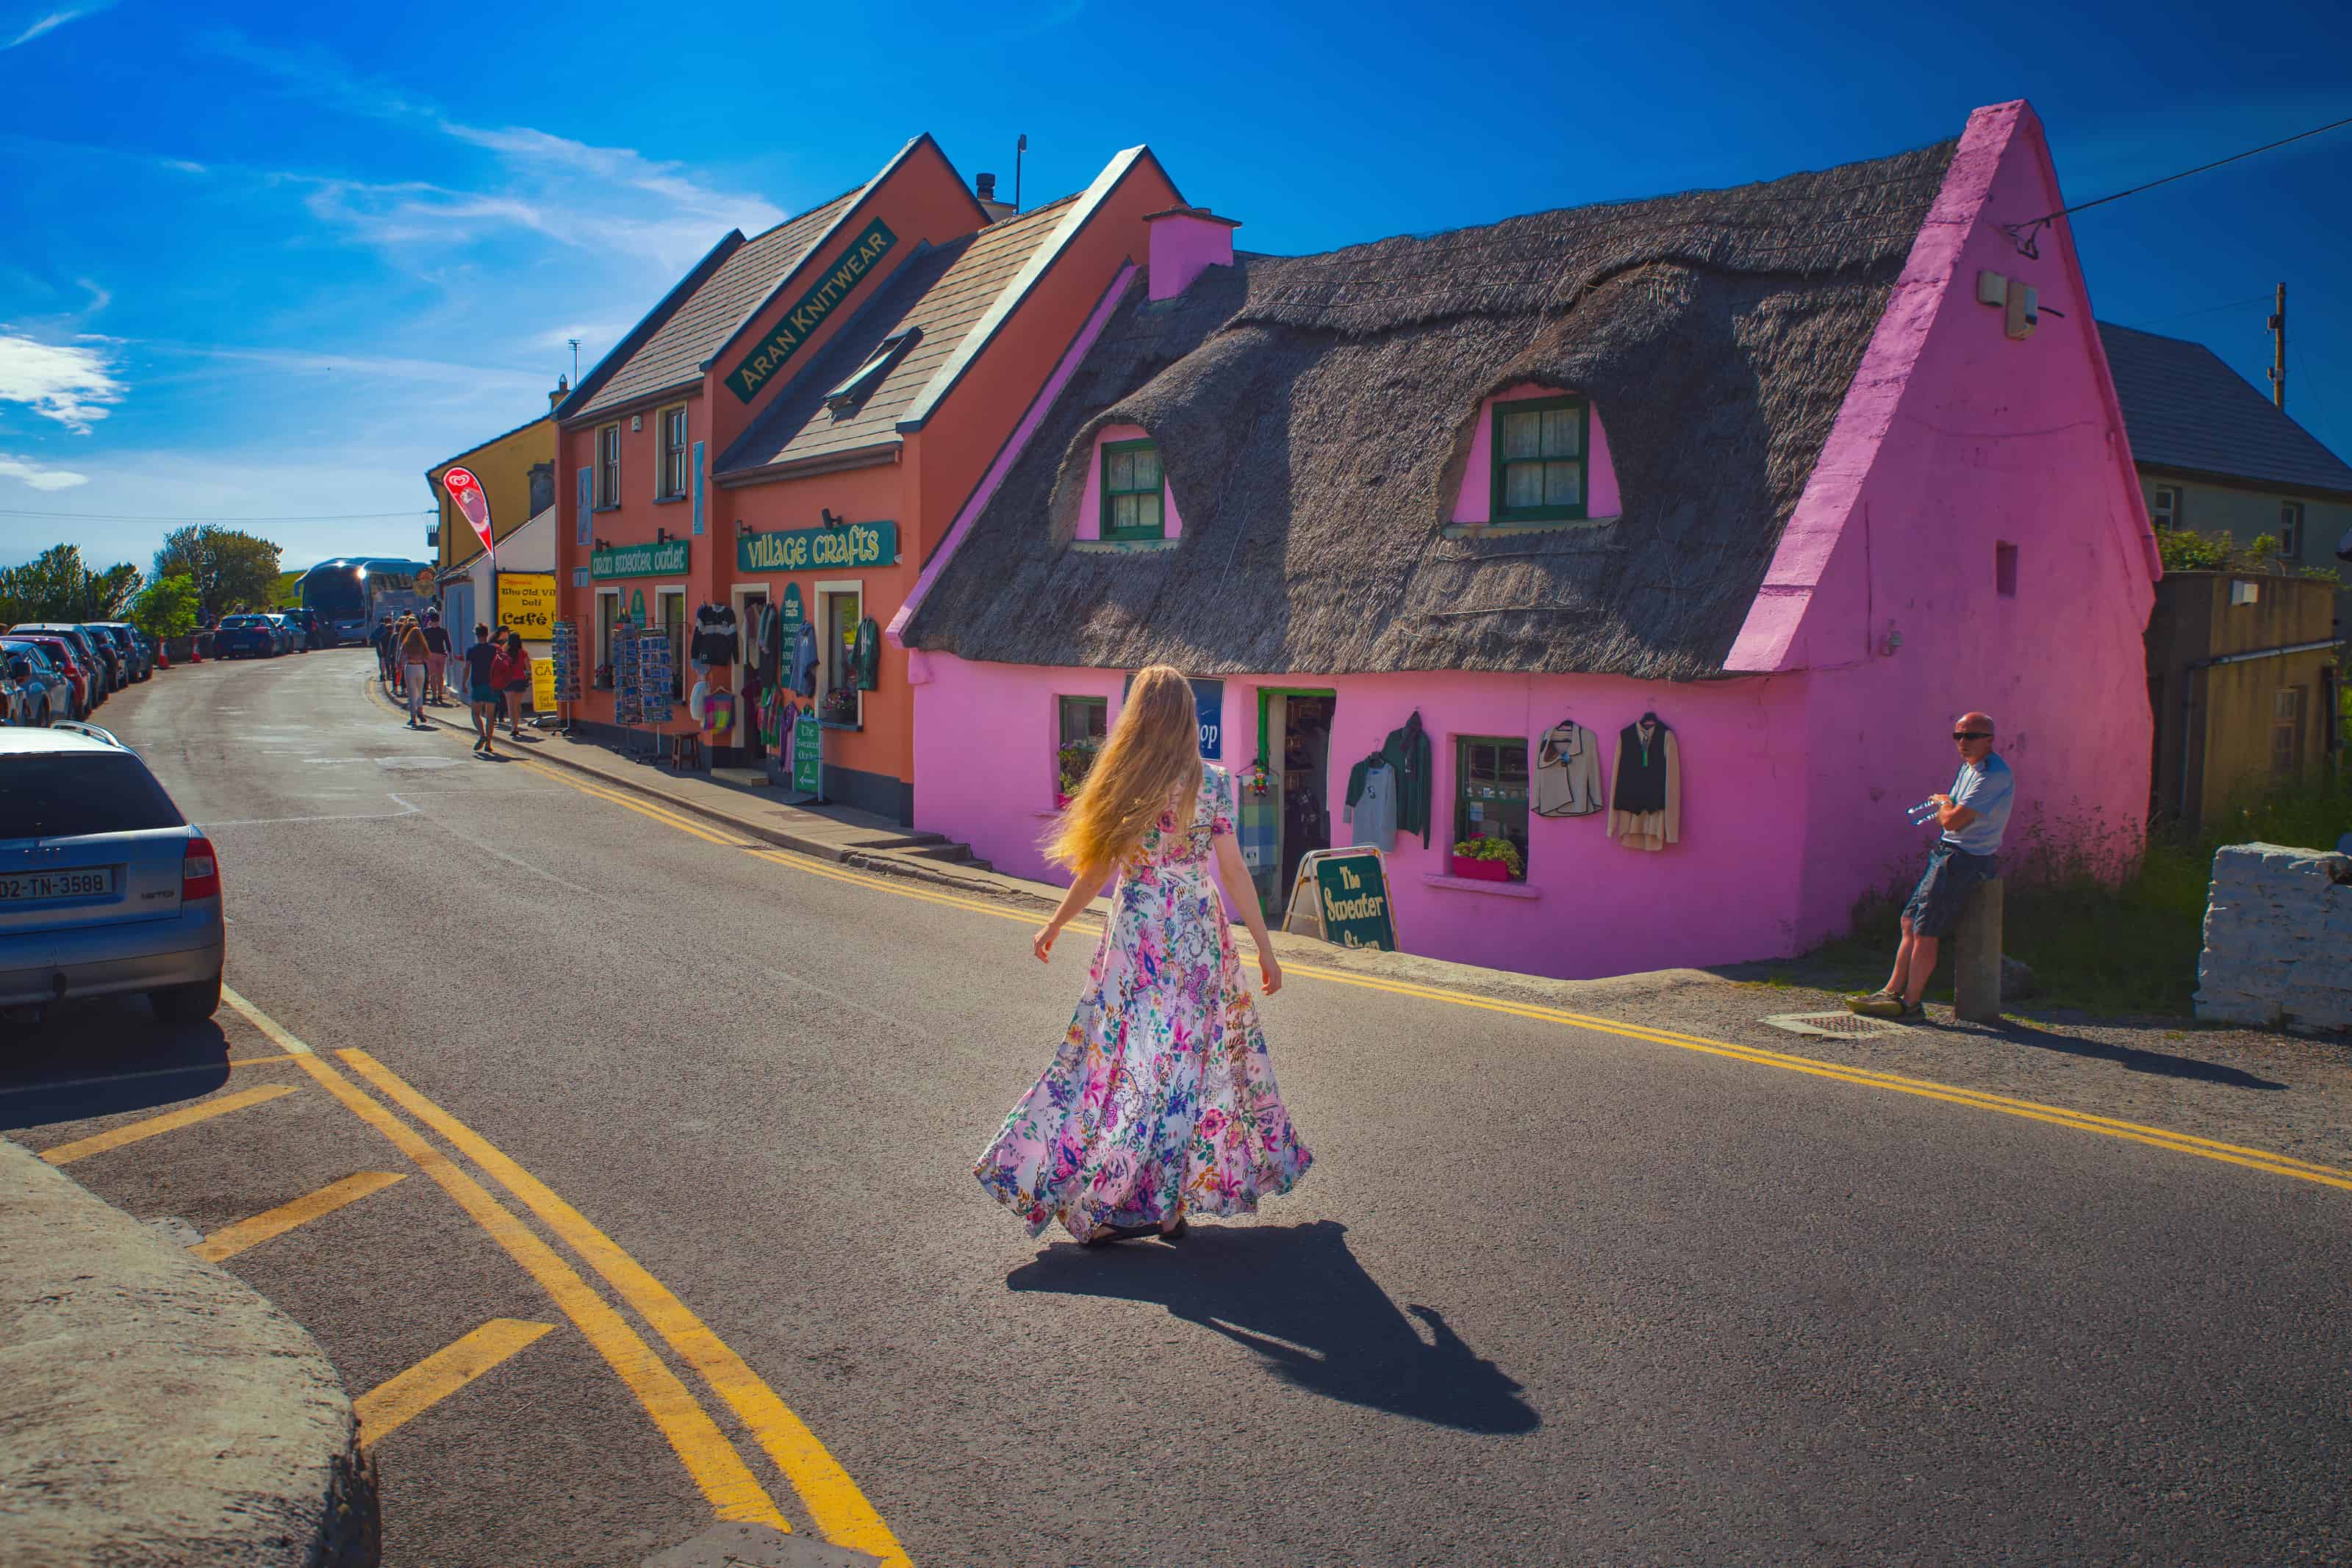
(55, 585)
(166, 607)
(227, 567)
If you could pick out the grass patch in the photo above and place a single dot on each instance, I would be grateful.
(2102, 943)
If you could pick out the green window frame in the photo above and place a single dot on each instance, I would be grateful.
(1541, 451)
(1491, 791)
(1134, 491)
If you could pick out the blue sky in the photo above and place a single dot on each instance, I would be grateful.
(272, 262)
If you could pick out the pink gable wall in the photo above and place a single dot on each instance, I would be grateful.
(1090, 503)
(1954, 440)
(1476, 503)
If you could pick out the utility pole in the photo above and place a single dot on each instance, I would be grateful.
(1019, 148)
(2278, 350)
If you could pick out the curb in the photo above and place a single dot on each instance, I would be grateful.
(915, 868)
(259, 1461)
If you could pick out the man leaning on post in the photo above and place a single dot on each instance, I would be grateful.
(1972, 817)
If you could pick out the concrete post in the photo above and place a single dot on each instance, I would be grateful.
(1976, 957)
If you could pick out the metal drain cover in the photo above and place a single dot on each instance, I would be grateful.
(1833, 1026)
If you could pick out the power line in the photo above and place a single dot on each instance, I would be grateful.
(216, 517)
(2204, 310)
(2023, 233)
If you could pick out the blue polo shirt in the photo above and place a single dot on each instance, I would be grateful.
(1986, 787)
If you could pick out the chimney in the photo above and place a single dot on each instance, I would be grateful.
(1186, 242)
(562, 390)
(984, 187)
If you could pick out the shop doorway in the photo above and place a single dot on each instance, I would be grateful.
(748, 603)
(1295, 815)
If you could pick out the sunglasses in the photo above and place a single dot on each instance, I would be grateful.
(1971, 735)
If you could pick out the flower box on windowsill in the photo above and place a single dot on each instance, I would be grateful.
(1475, 869)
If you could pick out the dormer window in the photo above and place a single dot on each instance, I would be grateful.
(845, 398)
(1539, 447)
(1134, 491)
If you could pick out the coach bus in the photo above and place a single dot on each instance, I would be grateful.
(351, 593)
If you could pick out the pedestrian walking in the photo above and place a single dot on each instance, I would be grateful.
(1162, 1101)
(412, 666)
(1973, 819)
(436, 660)
(481, 687)
(380, 640)
(514, 681)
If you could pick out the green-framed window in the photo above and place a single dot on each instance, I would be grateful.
(1084, 724)
(1490, 794)
(1134, 491)
(1540, 445)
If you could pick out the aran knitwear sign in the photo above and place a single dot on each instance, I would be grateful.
(638, 560)
(811, 311)
(807, 549)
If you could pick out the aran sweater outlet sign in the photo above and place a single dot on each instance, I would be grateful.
(805, 550)
(811, 311)
(638, 560)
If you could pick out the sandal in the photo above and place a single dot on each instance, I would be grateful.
(1110, 1233)
(1177, 1232)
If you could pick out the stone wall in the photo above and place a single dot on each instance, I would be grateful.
(2278, 939)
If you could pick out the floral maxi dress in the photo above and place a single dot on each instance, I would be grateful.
(1161, 1099)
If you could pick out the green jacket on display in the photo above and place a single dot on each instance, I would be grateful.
(865, 655)
(1406, 751)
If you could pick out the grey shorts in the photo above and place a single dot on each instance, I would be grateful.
(1943, 889)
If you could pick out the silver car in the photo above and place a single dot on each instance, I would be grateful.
(104, 886)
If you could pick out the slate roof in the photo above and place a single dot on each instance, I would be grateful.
(674, 353)
(1315, 416)
(2185, 409)
(943, 292)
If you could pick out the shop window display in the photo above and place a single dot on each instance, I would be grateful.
(1490, 809)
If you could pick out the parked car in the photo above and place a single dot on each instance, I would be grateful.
(127, 637)
(310, 628)
(80, 677)
(100, 653)
(55, 700)
(104, 886)
(296, 643)
(239, 636)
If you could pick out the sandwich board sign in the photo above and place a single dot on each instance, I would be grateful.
(1345, 898)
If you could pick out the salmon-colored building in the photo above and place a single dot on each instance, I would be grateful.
(798, 424)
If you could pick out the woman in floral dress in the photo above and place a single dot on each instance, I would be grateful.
(1162, 1101)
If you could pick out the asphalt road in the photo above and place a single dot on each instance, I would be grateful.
(1550, 1294)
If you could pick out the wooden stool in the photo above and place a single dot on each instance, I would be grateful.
(681, 747)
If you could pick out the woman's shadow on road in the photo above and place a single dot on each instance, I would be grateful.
(1296, 1296)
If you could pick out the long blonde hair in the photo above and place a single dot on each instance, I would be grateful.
(1149, 767)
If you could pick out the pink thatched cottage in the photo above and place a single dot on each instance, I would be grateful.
(1655, 545)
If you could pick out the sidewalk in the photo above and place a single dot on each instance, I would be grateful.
(741, 799)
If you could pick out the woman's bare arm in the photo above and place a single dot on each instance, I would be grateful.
(1085, 889)
(1235, 874)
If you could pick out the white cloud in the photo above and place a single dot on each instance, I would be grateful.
(184, 165)
(54, 20)
(99, 298)
(70, 384)
(548, 184)
(39, 478)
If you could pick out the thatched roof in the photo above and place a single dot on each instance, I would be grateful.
(1314, 414)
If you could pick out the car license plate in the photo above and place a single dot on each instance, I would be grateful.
(35, 887)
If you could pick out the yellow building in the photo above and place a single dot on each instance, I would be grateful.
(518, 475)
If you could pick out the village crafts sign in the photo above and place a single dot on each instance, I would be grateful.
(804, 549)
(801, 322)
(666, 560)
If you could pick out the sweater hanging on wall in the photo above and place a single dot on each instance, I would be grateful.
(1646, 811)
(1568, 772)
(715, 637)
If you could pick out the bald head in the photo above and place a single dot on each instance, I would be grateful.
(1972, 733)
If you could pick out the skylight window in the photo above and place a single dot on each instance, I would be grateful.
(845, 398)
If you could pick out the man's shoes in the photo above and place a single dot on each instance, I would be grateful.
(1877, 1005)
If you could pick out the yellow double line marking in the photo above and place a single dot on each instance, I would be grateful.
(834, 1503)
(2001, 1104)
